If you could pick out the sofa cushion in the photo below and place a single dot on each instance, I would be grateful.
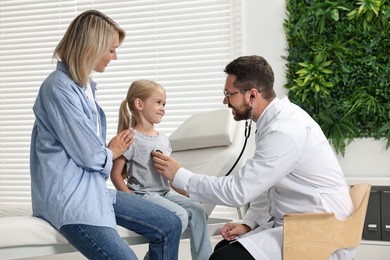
(204, 130)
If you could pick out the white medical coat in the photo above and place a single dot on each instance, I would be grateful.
(293, 163)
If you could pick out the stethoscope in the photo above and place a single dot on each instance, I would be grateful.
(247, 133)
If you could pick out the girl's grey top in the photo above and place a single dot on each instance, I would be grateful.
(141, 175)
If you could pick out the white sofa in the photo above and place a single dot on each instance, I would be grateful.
(207, 143)
(23, 236)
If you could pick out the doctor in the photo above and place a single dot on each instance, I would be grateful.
(293, 163)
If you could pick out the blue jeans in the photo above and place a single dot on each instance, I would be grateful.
(192, 216)
(160, 226)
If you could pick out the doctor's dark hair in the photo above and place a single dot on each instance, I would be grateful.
(139, 89)
(253, 72)
(87, 39)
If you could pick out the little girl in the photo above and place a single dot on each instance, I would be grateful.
(143, 107)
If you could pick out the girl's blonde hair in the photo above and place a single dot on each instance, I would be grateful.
(141, 89)
(85, 42)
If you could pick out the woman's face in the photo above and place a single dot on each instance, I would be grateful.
(110, 55)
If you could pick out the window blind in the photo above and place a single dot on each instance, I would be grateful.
(183, 45)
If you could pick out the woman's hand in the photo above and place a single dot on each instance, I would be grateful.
(119, 143)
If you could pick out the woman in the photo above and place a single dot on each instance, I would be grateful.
(70, 163)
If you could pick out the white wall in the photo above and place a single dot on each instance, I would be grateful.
(365, 159)
(264, 35)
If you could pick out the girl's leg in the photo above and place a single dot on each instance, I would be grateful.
(159, 225)
(96, 242)
(171, 206)
(201, 247)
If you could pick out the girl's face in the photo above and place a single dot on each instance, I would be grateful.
(154, 107)
(110, 55)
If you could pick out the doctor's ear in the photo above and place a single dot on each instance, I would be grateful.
(252, 100)
(253, 94)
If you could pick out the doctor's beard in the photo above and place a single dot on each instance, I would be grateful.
(238, 116)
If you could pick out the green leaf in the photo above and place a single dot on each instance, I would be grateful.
(385, 127)
(335, 15)
(338, 66)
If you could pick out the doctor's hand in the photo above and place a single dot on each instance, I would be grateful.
(180, 191)
(231, 231)
(165, 165)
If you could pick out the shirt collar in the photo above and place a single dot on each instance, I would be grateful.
(271, 111)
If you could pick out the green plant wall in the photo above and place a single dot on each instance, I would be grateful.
(338, 66)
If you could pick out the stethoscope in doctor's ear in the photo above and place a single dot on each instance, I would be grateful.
(247, 133)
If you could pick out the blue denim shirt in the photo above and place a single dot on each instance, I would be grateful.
(69, 162)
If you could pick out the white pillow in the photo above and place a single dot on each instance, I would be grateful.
(203, 130)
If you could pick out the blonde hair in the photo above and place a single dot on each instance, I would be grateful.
(139, 89)
(85, 42)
